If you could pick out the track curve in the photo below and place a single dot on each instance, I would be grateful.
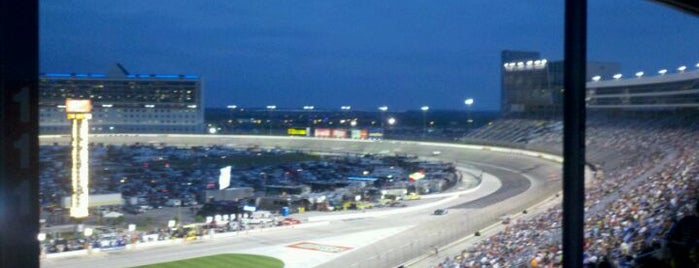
(526, 178)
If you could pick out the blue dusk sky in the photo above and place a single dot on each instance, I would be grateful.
(329, 53)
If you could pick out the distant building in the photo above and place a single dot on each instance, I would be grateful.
(124, 102)
(533, 86)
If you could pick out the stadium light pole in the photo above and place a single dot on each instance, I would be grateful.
(424, 120)
(391, 121)
(232, 108)
(346, 112)
(308, 108)
(270, 109)
(383, 110)
(468, 102)
(574, 66)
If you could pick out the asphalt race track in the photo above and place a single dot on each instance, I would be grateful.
(511, 183)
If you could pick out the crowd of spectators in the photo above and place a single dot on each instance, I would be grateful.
(643, 186)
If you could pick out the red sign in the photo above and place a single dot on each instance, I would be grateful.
(340, 133)
(323, 132)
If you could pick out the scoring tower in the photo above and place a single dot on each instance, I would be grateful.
(78, 112)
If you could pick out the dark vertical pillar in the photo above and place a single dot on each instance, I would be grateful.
(19, 208)
(574, 70)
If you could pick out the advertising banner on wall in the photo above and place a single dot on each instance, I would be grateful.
(298, 131)
(339, 133)
(323, 132)
(375, 134)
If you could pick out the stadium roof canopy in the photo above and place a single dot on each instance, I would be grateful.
(690, 6)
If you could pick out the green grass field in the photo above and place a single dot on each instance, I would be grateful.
(222, 261)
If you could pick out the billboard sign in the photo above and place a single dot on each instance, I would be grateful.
(355, 134)
(323, 132)
(359, 134)
(224, 180)
(376, 134)
(339, 133)
(297, 131)
(78, 106)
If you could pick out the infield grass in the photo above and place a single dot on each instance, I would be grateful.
(222, 261)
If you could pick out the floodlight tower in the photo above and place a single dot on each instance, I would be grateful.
(78, 111)
(424, 120)
(468, 102)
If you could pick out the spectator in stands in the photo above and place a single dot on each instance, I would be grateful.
(683, 240)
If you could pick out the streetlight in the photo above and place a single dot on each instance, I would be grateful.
(270, 109)
(424, 120)
(383, 111)
(348, 115)
(468, 102)
(87, 232)
(308, 117)
(391, 121)
(232, 108)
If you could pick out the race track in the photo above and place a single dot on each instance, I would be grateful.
(512, 181)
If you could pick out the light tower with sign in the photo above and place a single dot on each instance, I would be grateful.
(78, 112)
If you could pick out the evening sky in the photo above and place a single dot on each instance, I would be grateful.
(403, 54)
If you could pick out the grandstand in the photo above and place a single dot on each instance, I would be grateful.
(664, 91)
(647, 178)
(665, 94)
(641, 139)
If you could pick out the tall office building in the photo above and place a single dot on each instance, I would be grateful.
(124, 102)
